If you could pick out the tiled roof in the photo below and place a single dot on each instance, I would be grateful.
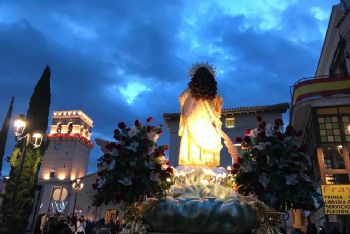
(280, 107)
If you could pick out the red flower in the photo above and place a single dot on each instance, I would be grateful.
(167, 162)
(259, 118)
(247, 132)
(121, 125)
(289, 128)
(280, 136)
(158, 167)
(160, 131)
(137, 123)
(239, 160)
(247, 139)
(149, 128)
(170, 170)
(238, 139)
(109, 160)
(234, 172)
(149, 119)
(166, 147)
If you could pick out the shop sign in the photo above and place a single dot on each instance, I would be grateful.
(336, 199)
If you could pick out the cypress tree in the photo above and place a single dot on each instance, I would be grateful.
(37, 120)
(39, 105)
(4, 132)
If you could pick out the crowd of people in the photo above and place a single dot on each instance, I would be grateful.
(73, 224)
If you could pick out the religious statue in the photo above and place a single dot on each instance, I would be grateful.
(200, 124)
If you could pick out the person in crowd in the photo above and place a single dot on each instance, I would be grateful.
(72, 223)
(43, 223)
(310, 228)
(81, 225)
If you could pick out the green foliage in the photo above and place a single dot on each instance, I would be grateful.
(275, 169)
(39, 105)
(134, 167)
(25, 193)
(15, 156)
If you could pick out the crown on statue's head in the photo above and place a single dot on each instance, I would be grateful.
(206, 65)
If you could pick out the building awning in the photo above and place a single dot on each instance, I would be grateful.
(321, 87)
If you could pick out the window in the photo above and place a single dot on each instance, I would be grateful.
(329, 129)
(333, 156)
(52, 174)
(230, 122)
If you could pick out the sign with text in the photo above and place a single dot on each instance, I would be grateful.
(336, 199)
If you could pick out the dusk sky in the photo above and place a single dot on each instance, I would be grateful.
(127, 60)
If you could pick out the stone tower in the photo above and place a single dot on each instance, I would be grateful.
(66, 158)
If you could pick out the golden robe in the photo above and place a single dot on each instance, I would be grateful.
(199, 129)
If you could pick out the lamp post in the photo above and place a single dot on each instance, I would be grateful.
(77, 186)
(24, 140)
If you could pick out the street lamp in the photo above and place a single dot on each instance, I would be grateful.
(77, 186)
(23, 139)
(19, 125)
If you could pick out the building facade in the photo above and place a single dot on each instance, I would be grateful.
(321, 107)
(65, 160)
(235, 122)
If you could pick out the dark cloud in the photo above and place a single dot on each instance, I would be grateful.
(96, 49)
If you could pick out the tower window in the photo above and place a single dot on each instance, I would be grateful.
(230, 122)
(52, 174)
(59, 128)
(70, 127)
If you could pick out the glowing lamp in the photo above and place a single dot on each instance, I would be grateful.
(19, 125)
(37, 139)
(46, 176)
(77, 185)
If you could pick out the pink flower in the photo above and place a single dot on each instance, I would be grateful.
(149, 119)
(137, 123)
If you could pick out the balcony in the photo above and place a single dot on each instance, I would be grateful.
(320, 87)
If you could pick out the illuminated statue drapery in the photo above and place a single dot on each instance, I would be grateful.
(200, 139)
